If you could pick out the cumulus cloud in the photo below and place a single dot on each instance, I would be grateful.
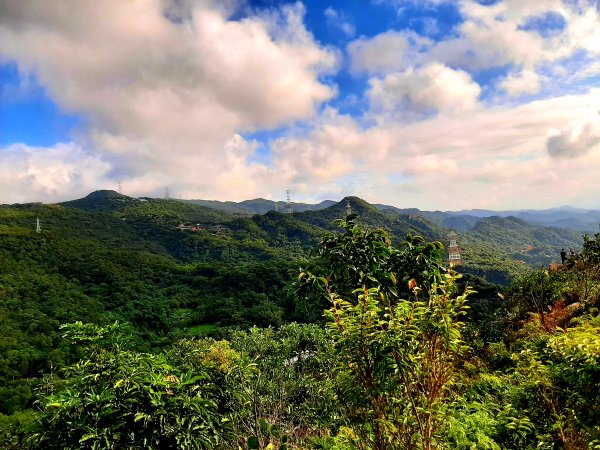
(523, 82)
(492, 35)
(49, 174)
(488, 158)
(332, 150)
(386, 52)
(168, 90)
(576, 139)
(482, 46)
(433, 88)
(163, 94)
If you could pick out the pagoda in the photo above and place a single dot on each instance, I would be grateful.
(454, 251)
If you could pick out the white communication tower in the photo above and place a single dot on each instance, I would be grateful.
(38, 227)
(454, 251)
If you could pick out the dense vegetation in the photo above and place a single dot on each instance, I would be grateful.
(406, 354)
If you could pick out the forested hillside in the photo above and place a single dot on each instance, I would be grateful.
(260, 206)
(169, 270)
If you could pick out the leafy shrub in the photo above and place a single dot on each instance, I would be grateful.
(118, 399)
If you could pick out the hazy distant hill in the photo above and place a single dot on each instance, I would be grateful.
(581, 220)
(462, 222)
(496, 247)
(508, 231)
(564, 217)
(500, 247)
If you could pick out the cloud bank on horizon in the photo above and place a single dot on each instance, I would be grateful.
(434, 104)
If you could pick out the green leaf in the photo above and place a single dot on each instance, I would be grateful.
(253, 443)
(264, 426)
(87, 437)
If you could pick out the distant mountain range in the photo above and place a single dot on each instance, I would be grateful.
(260, 206)
(568, 217)
(195, 231)
(494, 244)
(584, 220)
(563, 217)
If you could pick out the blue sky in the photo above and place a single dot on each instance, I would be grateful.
(431, 104)
(31, 116)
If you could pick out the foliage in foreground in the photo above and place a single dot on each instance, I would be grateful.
(391, 370)
(116, 398)
(397, 364)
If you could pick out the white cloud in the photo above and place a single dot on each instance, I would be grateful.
(589, 70)
(401, 4)
(488, 39)
(487, 158)
(583, 31)
(387, 52)
(166, 102)
(432, 88)
(163, 98)
(490, 36)
(523, 82)
(49, 174)
(576, 139)
(339, 20)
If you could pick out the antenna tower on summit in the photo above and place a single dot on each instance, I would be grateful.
(288, 202)
(348, 208)
(454, 251)
(167, 196)
(120, 188)
(38, 227)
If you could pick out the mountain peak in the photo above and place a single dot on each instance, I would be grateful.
(103, 200)
(357, 204)
(104, 194)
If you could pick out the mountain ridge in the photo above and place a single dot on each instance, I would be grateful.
(564, 216)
